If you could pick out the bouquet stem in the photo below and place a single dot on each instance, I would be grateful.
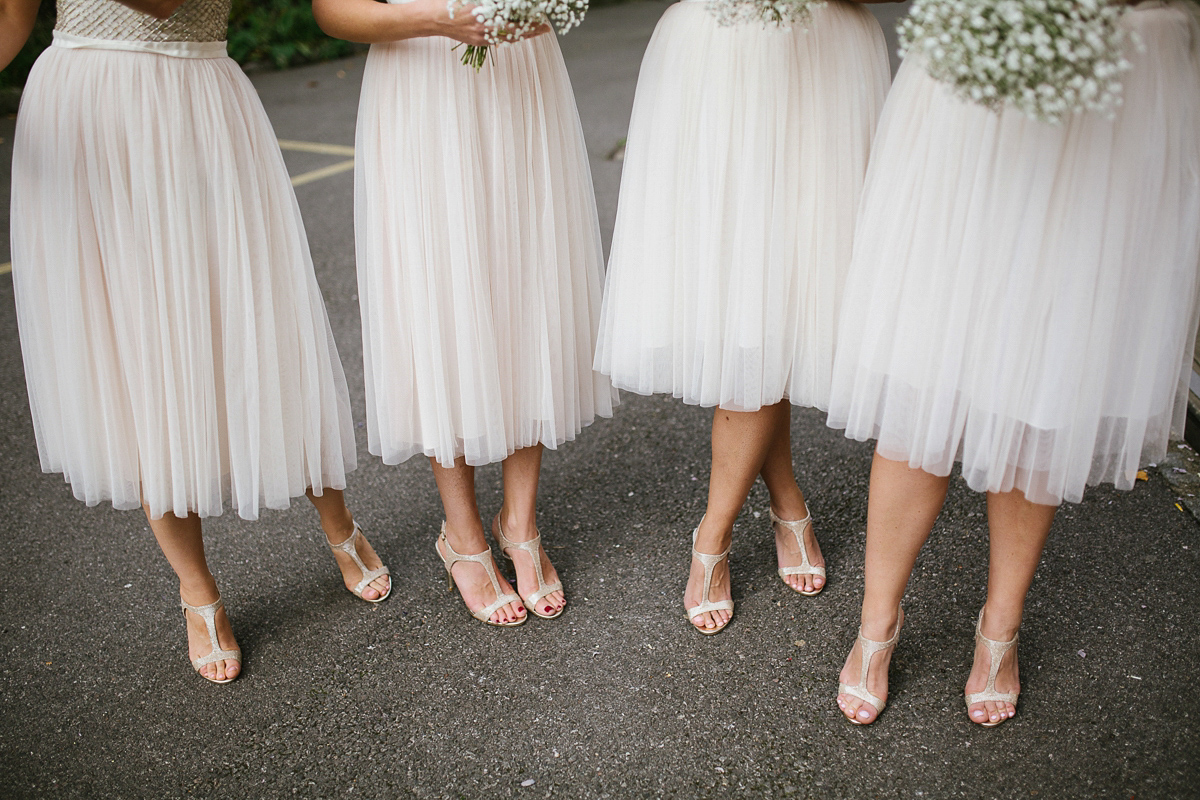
(474, 55)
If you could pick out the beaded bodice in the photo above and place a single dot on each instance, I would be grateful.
(194, 21)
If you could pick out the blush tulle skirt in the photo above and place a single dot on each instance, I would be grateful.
(479, 260)
(177, 351)
(1023, 297)
(746, 154)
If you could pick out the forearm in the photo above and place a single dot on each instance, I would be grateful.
(159, 9)
(16, 23)
(369, 22)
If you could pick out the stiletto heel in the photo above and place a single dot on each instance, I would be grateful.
(208, 613)
(867, 649)
(349, 547)
(485, 560)
(710, 562)
(996, 652)
(533, 549)
(806, 567)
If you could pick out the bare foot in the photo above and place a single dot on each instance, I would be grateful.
(351, 574)
(715, 543)
(527, 581)
(788, 553)
(993, 712)
(474, 584)
(200, 645)
(855, 708)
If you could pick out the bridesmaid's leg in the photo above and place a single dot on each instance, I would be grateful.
(740, 441)
(464, 532)
(182, 542)
(338, 524)
(902, 507)
(788, 502)
(519, 518)
(1018, 532)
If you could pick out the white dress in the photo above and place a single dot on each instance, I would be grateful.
(176, 346)
(1023, 297)
(478, 246)
(745, 159)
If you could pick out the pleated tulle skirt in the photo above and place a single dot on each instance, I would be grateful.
(745, 159)
(176, 346)
(1023, 297)
(479, 260)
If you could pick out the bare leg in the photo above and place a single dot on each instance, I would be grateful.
(788, 502)
(464, 532)
(1018, 532)
(519, 517)
(182, 542)
(740, 441)
(903, 505)
(338, 524)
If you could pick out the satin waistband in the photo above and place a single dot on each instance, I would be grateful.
(172, 49)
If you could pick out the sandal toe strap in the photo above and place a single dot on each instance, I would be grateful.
(719, 605)
(862, 694)
(544, 590)
(991, 696)
(369, 576)
(485, 614)
(217, 655)
(802, 570)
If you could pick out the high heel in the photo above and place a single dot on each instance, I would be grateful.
(208, 613)
(349, 547)
(710, 562)
(485, 559)
(996, 652)
(867, 649)
(533, 549)
(806, 567)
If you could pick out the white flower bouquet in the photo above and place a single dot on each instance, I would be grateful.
(1048, 58)
(509, 20)
(780, 13)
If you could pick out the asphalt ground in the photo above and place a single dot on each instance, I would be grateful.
(617, 698)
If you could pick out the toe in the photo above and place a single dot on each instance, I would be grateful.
(978, 713)
(818, 581)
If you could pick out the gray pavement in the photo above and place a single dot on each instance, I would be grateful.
(619, 697)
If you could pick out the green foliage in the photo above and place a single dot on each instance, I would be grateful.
(281, 33)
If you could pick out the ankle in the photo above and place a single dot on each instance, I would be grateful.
(1000, 623)
(199, 590)
(519, 526)
(713, 537)
(468, 535)
(338, 527)
(791, 508)
(879, 625)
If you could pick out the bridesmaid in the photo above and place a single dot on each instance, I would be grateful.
(480, 272)
(177, 352)
(1023, 299)
(747, 150)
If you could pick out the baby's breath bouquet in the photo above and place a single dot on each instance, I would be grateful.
(1048, 58)
(509, 20)
(781, 13)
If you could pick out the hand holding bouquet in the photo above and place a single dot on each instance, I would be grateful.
(512, 20)
(781, 13)
(1048, 58)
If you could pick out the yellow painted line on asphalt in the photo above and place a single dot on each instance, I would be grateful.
(5, 268)
(323, 172)
(316, 147)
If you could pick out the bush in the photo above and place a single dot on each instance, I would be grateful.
(281, 33)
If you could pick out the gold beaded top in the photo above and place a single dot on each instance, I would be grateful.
(194, 21)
